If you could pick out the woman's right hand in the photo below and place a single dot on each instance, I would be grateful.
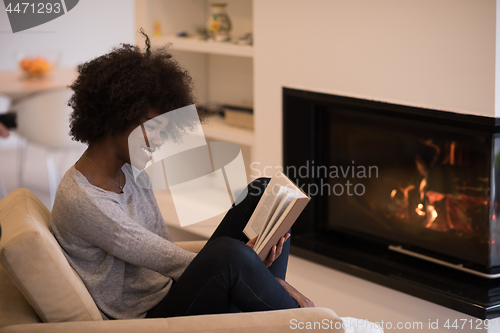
(275, 250)
(303, 301)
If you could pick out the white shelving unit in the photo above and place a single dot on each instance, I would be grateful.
(222, 73)
(193, 44)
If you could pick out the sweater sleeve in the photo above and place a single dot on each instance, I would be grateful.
(108, 227)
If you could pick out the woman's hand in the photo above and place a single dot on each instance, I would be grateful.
(303, 301)
(275, 250)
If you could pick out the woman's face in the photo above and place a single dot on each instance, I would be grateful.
(146, 138)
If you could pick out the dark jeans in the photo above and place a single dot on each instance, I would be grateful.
(227, 275)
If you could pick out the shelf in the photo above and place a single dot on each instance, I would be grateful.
(216, 128)
(192, 44)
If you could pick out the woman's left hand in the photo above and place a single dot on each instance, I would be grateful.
(275, 250)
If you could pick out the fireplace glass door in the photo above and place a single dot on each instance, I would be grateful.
(423, 179)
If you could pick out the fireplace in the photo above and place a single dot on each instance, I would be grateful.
(393, 184)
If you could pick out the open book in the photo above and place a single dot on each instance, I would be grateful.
(277, 210)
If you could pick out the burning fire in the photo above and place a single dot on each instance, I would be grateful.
(420, 210)
(430, 212)
(432, 215)
(452, 208)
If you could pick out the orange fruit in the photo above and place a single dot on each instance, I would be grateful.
(37, 65)
(25, 63)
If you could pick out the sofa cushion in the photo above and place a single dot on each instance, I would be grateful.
(14, 308)
(34, 261)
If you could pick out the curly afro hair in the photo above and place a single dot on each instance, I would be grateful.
(114, 91)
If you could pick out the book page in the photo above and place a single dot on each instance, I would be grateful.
(276, 226)
(262, 213)
(277, 214)
(264, 210)
(263, 232)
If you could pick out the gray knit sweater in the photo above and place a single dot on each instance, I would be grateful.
(117, 243)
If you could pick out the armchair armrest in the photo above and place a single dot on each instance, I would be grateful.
(249, 322)
(192, 246)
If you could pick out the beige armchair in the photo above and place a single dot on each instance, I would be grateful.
(40, 292)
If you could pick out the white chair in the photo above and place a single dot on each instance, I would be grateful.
(43, 119)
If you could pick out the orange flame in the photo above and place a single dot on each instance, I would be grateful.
(432, 215)
(419, 210)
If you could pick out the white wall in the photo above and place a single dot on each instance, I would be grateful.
(90, 29)
(426, 53)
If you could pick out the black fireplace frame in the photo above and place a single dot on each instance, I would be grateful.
(369, 258)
